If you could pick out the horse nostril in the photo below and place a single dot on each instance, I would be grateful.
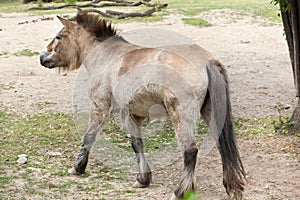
(46, 64)
(45, 60)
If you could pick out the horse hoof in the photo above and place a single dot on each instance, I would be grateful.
(73, 171)
(173, 197)
(236, 196)
(138, 185)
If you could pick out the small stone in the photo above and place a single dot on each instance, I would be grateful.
(41, 152)
(22, 159)
(245, 41)
(52, 154)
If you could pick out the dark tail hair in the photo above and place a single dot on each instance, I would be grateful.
(221, 116)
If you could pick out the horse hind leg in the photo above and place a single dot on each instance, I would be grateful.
(187, 182)
(144, 176)
(184, 134)
(184, 124)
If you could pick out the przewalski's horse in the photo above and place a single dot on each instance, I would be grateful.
(184, 79)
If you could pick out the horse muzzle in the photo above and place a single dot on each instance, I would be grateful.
(45, 59)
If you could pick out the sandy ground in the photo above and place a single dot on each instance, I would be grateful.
(256, 56)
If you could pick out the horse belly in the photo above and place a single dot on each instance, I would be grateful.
(143, 99)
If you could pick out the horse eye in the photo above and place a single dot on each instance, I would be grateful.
(58, 37)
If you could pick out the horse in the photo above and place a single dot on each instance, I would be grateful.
(185, 79)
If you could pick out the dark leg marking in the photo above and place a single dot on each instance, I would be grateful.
(144, 177)
(187, 182)
(82, 160)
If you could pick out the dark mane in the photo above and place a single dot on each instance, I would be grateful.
(100, 28)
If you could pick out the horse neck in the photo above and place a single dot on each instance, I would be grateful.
(105, 52)
(86, 46)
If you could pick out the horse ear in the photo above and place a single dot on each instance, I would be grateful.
(65, 22)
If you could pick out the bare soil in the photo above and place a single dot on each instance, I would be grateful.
(255, 54)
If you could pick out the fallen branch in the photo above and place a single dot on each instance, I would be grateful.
(98, 4)
(121, 15)
(83, 6)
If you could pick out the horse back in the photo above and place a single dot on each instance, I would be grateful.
(189, 61)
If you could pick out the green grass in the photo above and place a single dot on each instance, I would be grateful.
(256, 8)
(11, 6)
(6, 86)
(196, 22)
(153, 18)
(29, 134)
(56, 132)
(16, 6)
(191, 196)
(46, 177)
(153, 141)
(3, 53)
(42, 175)
(261, 8)
(26, 52)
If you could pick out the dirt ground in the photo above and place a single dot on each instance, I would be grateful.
(256, 56)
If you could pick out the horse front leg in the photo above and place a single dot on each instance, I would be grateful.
(144, 176)
(97, 117)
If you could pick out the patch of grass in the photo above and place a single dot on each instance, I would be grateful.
(7, 6)
(262, 127)
(3, 53)
(190, 196)
(193, 12)
(254, 126)
(40, 3)
(70, 1)
(27, 52)
(29, 134)
(46, 177)
(4, 180)
(88, 187)
(43, 105)
(255, 7)
(107, 173)
(196, 22)
(154, 140)
(157, 16)
(6, 87)
(16, 6)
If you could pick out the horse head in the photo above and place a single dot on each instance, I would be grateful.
(75, 40)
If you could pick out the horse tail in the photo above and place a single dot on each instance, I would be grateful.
(218, 114)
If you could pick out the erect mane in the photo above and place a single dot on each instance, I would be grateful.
(100, 28)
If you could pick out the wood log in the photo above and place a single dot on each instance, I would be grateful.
(121, 15)
(100, 4)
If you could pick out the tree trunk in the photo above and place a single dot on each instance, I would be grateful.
(291, 23)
